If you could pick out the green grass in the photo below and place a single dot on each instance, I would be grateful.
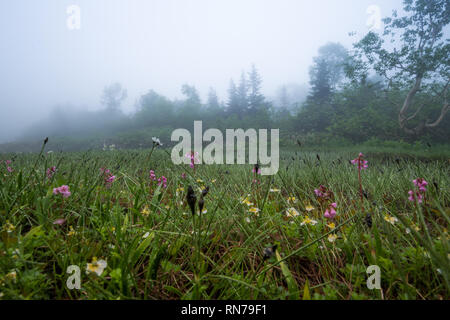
(170, 254)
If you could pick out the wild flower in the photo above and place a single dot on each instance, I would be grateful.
(96, 266)
(332, 237)
(179, 191)
(152, 175)
(107, 177)
(308, 220)
(50, 172)
(323, 193)
(413, 195)
(254, 210)
(418, 194)
(145, 211)
(331, 225)
(71, 232)
(63, 190)
(12, 275)
(309, 208)
(183, 175)
(9, 227)
(162, 181)
(292, 212)
(156, 141)
(291, 199)
(9, 169)
(59, 221)
(390, 219)
(421, 184)
(330, 212)
(194, 159)
(362, 164)
(256, 169)
(274, 190)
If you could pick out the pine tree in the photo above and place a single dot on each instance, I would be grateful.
(233, 99)
(242, 95)
(255, 99)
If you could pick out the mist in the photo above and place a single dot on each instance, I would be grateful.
(159, 45)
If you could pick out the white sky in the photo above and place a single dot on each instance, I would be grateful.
(160, 44)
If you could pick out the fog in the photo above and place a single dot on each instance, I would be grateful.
(160, 45)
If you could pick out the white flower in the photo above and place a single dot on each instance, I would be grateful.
(292, 212)
(332, 237)
(307, 220)
(96, 266)
(146, 235)
(156, 141)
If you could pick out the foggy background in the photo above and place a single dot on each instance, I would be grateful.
(160, 45)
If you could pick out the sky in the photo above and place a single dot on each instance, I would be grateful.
(46, 60)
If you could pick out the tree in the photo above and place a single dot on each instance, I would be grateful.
(255, 98)
(213, 101)
(233, 99)
(112, 97)
(327, 71)
(193, 98)
(419, 59)
(242, 95)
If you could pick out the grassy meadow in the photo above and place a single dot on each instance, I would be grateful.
(258, 237)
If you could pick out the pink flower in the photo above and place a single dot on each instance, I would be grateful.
(362, 164)
(183, 175)
(8, 162)
(413, 195)
(107, 177)
(330, 212)
(194, 158)
(50, 172)
(163, 181)
(152, 175)
(322, 192)
(64, 190)
(10, 169)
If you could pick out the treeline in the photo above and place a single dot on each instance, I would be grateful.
(373, 93)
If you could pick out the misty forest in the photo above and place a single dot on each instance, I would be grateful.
(93, 207)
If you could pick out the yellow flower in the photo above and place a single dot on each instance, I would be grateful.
(203, 211)
(246, 201)
(332, 237)
(331, 225)
(254, 210)
(275, 190)
(309, 208)
(199, 181)
(12, 275)
(145, 212)
(391, 220)
(291, 212)
(96, 266)
(9, 227)
(307, 220)
(167, 207)
(213, 180)
(71, 232)
(179, 190)
(292, 199)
